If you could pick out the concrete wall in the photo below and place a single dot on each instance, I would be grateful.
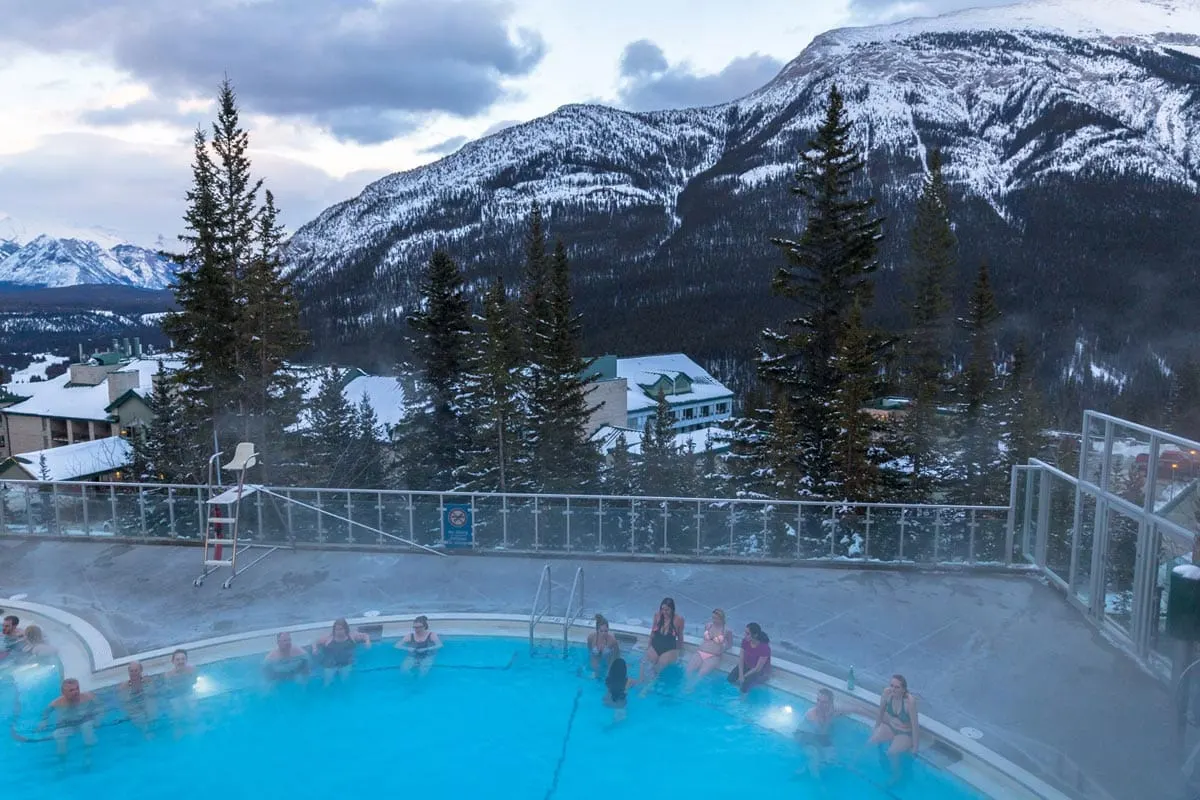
(25, 434)
(611, 397)
(90, 374)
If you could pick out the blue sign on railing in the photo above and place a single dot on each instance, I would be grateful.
(456, 525)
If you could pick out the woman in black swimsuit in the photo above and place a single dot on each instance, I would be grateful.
(335, 652)
(421, 644)
(666, 642)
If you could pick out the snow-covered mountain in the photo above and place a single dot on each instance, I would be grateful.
(1071, 129)
(50, 262)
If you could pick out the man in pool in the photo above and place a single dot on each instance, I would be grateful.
(815, 733)
(137, 697)
(77, 711)
(10, 636)
(286, 662)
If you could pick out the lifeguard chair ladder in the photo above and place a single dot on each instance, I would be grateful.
(221, 528)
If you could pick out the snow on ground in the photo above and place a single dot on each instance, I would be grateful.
(37, 368)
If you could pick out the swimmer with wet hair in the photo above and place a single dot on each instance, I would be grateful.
(616, 688)
(335, 650)
(603, 648)
(421, 645)
(286, 662)
(76, 714)
(815, 733)
(10, 635)
(137, 697)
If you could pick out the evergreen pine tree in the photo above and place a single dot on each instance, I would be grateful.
(536, 319)
(783, 444)
(204, 326)
(272, 333)
(369, 470)
(331, 438)
(496, 405)
(236, 320)
(927, 346)
(621, 476)
(659, 472)
(825, 273)
(437, 437)
(564, 458)
(1023, 419)
(981, 472)
(157, 444)
(857, 362)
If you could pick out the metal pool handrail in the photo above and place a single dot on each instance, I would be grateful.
(535, 616)
(569, 618)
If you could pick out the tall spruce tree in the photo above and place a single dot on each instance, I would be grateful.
(369, 470)
(620, 476)
(1023, 418)
(271, 334)
(495, 399)
(857, 362)
(236, 320)
(559, 411)
(825, 273)
(981, 473)
(330, 440)
(204, 326)
(157, 445)
(927, 346)
(659, 462)
(435, 438)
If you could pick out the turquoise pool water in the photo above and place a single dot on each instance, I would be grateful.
(489, 721)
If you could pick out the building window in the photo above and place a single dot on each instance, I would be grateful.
(689, 413)
(722, 408)
(704, 411)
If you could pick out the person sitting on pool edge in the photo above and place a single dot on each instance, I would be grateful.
(77, 711)
(335, 650)
(717, 639)
(897, 725)
(286, 662)
(603, 648)
(421, 644)
(815, 733)
(616, 686)
(754, 667)
(666, 642)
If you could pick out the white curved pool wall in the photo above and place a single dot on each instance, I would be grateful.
(85, 654)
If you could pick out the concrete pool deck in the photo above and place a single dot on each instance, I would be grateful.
(1003, 654)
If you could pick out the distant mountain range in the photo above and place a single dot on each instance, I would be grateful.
(1071, 131)
(48, 262)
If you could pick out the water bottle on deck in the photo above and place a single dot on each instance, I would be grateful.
(850, 680)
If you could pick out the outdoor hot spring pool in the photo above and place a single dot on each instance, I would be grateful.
(489, 721)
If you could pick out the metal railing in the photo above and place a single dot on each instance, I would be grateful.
(535, 616)
(711, 528)
(574, 611)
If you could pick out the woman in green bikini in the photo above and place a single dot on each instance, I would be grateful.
(897, 725)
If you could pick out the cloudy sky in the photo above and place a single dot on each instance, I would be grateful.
(100, 98)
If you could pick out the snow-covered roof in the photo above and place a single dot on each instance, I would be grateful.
(384, 394)
(716, 439)
(648, 370)
(74, 461)
(56, 398)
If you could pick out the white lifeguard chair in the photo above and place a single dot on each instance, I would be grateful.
(223, 506)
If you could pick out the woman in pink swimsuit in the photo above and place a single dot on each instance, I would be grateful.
(717, 640)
